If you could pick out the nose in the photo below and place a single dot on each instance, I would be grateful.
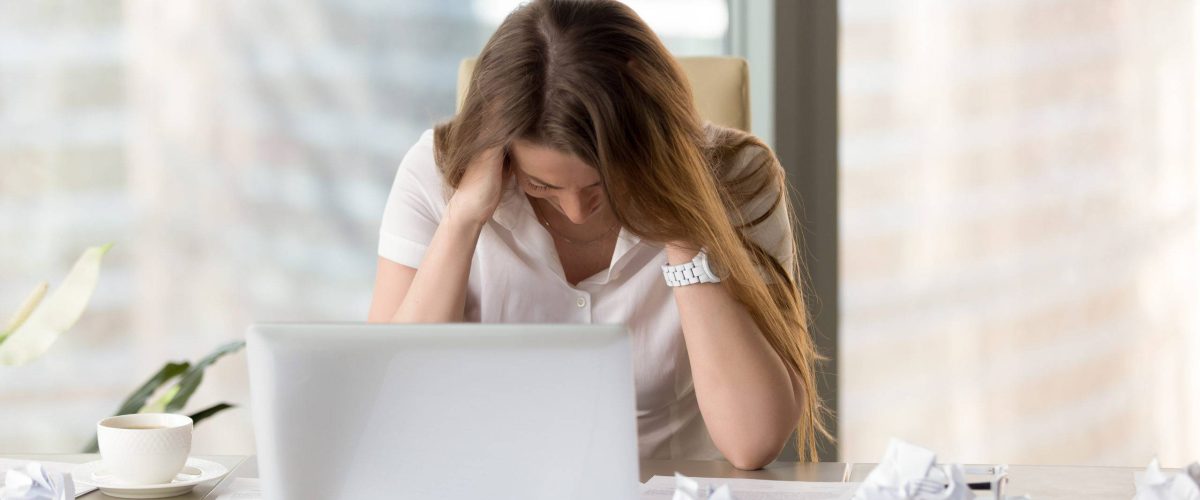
(577, 207)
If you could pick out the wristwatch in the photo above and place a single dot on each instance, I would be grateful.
(690, 273)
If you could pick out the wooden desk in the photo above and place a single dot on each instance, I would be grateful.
(1042, 482)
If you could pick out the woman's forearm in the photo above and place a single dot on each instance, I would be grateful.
(749, 398)
(439, 289)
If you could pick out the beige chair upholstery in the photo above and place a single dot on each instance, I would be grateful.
(720, 85)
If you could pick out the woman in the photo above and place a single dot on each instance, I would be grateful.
(576, 169)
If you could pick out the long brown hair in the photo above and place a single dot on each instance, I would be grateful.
(589, 78)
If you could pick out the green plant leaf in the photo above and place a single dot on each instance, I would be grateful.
(137, 399)
(210, 411)
(55, 314)
(160, 405)
(190, 376)
(191, 380)
(26, 309)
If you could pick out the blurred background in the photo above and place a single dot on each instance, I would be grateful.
(1001, 199)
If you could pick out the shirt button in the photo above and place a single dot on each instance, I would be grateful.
(580, 302)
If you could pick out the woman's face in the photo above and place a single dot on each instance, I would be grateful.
(563, 180)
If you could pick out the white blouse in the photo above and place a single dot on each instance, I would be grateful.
(516, 277)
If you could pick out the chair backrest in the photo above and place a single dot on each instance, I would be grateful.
(720, 86)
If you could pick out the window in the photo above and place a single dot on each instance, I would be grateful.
(239, 158)
(1019, 223)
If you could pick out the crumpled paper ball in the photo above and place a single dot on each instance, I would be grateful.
(687, 488)
(1154, 484)
(37, 483)
(910, 472)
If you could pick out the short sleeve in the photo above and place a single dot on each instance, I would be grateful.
(414, 206)
(773, 233)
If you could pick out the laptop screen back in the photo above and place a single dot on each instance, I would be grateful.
(457, 411)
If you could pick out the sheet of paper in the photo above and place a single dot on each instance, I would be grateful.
(663, 488)
(11, 463)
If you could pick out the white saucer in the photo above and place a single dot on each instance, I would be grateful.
(194, 472)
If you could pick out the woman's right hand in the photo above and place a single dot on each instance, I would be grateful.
(479, 191)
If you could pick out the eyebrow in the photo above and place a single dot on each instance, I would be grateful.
(552, 186)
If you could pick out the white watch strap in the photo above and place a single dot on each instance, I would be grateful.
(689, 273)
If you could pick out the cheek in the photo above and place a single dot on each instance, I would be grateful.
(599, 198)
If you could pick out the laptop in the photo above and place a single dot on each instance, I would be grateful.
(452, 411)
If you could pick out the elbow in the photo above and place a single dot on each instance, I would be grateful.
(751, 459)
(754, 454)
(753, 447)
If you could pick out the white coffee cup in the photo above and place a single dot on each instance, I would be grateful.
(144, 448)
